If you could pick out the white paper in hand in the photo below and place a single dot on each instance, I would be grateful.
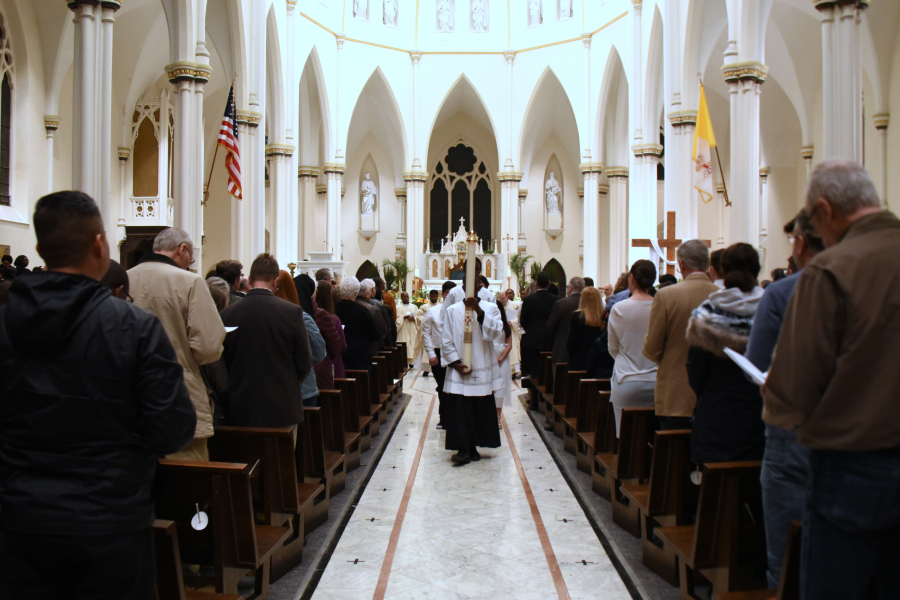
(758, 377)
(230, 329)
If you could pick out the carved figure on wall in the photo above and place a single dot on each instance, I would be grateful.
(447, 269)
(534, 9)
(368, 194)
(390, 12)
(553, 192)
(479, 20)
(444, 15)
(565, 9)
(487, 269)
(359, 8)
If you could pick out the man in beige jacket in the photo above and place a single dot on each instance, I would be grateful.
(666, 343)
(161, 284)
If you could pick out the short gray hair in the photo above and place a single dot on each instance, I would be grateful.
(844, 184)
(577, 284)
(694, 254)
(349, 287)
(366, 285)
(169, 239)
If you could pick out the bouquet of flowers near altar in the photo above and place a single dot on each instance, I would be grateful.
(419, 297)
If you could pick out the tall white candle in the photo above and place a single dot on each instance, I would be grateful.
(472, 242)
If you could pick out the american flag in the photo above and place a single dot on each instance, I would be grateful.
(228, 137)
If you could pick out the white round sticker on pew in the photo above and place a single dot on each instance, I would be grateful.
(200, 520)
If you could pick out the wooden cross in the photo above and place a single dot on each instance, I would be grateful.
(669, 243)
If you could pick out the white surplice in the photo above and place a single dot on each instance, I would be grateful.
(431, 333)
(421, 353)
(407, 331)
(485, 375)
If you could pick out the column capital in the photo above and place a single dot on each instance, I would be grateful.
(109, 4)
(586, 39)
(415, 56)
(279, 150)
(591, 167)
(807, 152)
(248, 118)
(720, 188)
(683, 117)
(415, 176)
(510, 176)
(603, 188)
(743, 71)
(523, 192)
(124, 154)
(827, 4)
(188, 71)
(400, 193)
(307, 171)
(647, 150)
(764, 172)
(881, 120)
(617, 172)
(322, 189)
(510, 56)
(51, 122)
(340, 39)
(290, 5)
(334, 168)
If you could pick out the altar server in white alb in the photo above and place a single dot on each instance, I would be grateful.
(407, 326)
(470, 419)
(431, 342)
(422, 357)
(457, 294)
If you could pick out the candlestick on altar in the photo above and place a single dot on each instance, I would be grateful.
(471, 245)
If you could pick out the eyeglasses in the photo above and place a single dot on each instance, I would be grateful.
(791, 239)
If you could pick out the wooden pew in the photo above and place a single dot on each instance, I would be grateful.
(633, 464)
(727, 546)
(605, 443)
(369, 401)
(316, 463)
(349, 414)
(232, 540)
(590, 402)
(789, 584)
(555, 399)
(336, 436)
(668, 498)
(385, 385)
(358, 409)
(568, 417)
(545, 381)
(169, 577)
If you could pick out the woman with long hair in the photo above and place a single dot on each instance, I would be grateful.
(634, 376)
(503, 387)
(727, 423)
(584, 328)
(325, 301)
(306, 287)
(286, 289)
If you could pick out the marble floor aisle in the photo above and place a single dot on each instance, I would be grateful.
(467, 532)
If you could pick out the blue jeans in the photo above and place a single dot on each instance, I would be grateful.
(851, 526)
(784, 479)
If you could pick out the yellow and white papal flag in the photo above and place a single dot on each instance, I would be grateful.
(704, 142)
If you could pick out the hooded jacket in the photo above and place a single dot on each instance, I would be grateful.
(92, 394)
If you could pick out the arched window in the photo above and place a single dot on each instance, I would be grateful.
(461, 187)
(6, 107)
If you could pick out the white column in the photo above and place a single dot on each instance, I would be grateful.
(522, 243)
(586, 153)
(510, 56)
(842, 78)
(334, 173)
(636, 80)
(720, 200)
(254, 182)
(618, 221)
(201, 76)
(310, 228)
(51, 124)
(415, 223)
(240, 214)
(604, 210)
(104, 109)
(680, 194)
(763, 215)
(642, 198)
(881, 125)
(85, 174)
(591, 220)
(182, 77)
(744, 81)
(807, 153)
(338, 151)
(287, 220)
(400, 244)
(415, 56)
(163, 170)
(124, 155)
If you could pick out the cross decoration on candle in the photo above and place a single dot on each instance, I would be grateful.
(471, 244)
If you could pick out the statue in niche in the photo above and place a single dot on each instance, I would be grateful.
(434, 273)
(565, 10)
(447, 269)
(553, 192)
(534, 9)
(479, 20)
(359, 8)
(368, 194)
(390, 12)
(444, 16)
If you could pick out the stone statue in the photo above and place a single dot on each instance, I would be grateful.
(565, 10)
(368, 194)
(479, 20)
(444, 16)
(390, 12)
(534, 9)
(553, 193)
(359, 9)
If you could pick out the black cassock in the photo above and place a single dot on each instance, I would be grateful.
(470, 421)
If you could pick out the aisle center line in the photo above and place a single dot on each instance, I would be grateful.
(388, 563)
(558, 580)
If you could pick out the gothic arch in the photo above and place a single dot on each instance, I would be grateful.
(275, 118)
(612, 122)
(548, 97)
(461, 93)
(367, 270)
(557, 274)
(377, 111)
(653, 86)
(314, 139)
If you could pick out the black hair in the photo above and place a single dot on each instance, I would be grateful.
(6, 258)
(448, 285)
(778, 274)
(66, 225)
(715, 260)
(644, 274)
(116, 277)
(553, 289)
(484, 281)
(507, 331)
(230, 271)
(477, 265)
(306, 288)
(666, 278)
(804, 227)
(588, 282)
(8, 272)
(740, 264)
(430, 292)
(542, 280)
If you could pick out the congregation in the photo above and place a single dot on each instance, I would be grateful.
(108, 370)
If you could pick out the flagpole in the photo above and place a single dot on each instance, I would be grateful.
(216, 151)
(722, 173)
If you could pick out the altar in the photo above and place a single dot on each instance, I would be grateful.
(447, 262)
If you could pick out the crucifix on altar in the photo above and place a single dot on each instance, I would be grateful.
(669, 243)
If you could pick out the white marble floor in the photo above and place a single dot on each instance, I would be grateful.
(468, 532)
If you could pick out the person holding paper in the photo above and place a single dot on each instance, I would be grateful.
(727, 424)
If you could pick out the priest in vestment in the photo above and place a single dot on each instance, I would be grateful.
(422, 358)
(407, 326)
(471, 417)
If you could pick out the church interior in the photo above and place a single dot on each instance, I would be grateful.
(563, 134)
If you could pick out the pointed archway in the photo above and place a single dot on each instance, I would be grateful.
(367, 270)
(557, 274)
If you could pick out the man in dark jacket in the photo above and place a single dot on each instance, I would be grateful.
(93, 395)
(268, 355)
(561, 317)
(361, 325)
(230, 271)
(536, 310)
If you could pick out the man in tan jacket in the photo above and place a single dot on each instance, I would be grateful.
(162, 285)
(666, 343)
